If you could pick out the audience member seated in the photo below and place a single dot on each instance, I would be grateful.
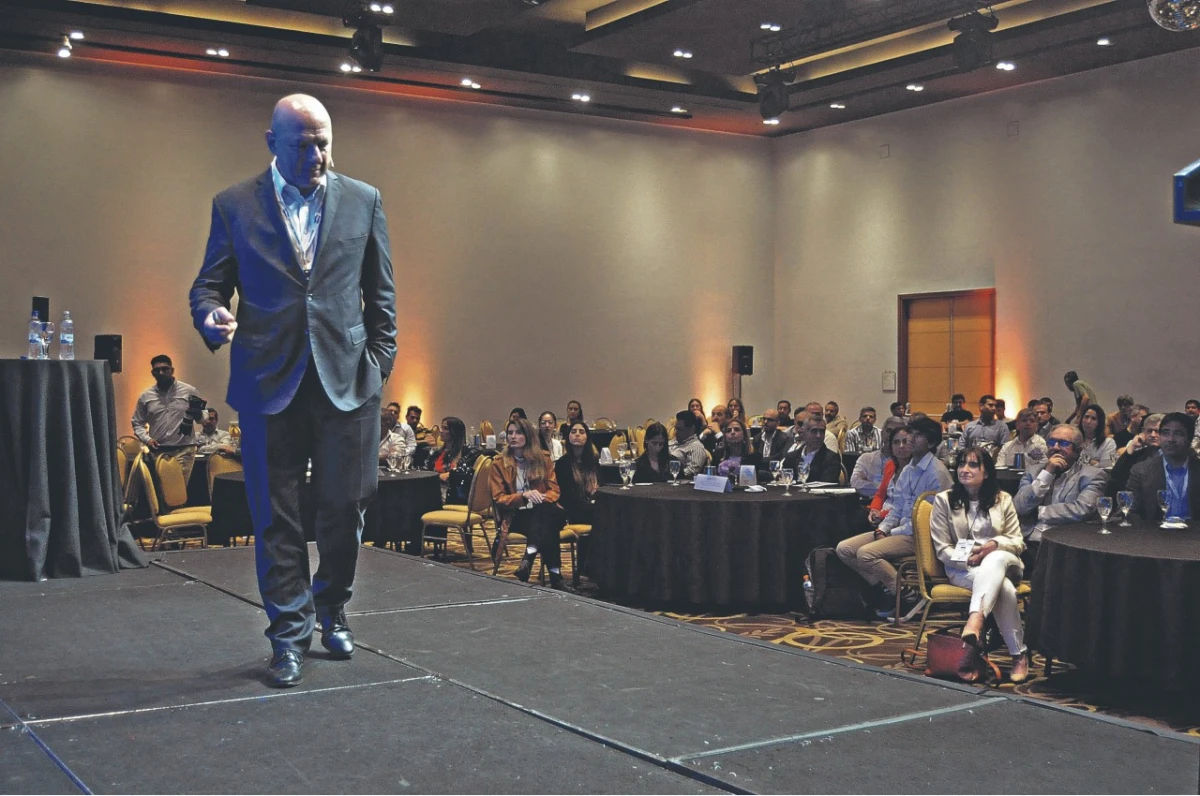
(711, 435)
(395, 439)
(734, 410)
(653, 466)
(987, 430)
(774, 441)
(454, 462)
(578, 474)
(809, 446)
(1142, 447)
(956, 413)
(686, 446)
(574, 415)
(517, 414)
(212, 439)
(548, 436)
(159, 413)
(735, 449)
(784, 408)
(526, 491)
(864, 437)
(1027, 442)
(1001, 409)
(869, 469)
(1137, 416)
(412, 416)
(817, 410)
(1046, 421)
(897, 409)
(835, 424)
(1118, 421)
(900, 454)
(1098, 449)
(1062, 491)
(870, 554)
(1176, 472)
(1192, 410)
(975, 509)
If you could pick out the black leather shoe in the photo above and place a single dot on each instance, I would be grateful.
(524, 569)
(336, 636)
(558, 584)
(284, 671)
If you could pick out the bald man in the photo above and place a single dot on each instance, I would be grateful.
(313, 341)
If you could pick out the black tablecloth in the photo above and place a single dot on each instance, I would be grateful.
(60, 495)
(667, 544)
(1123, 606)
(394, 515)
(197, 486)
(1009, 480)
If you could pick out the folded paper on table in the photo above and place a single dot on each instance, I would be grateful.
(713, 483)
(835, 490)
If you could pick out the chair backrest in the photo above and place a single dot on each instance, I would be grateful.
(671, 429)
(843, 479)
(927, 561)
(221, 463)
(603, 424)
(620, 436)
(639, 439)
(148, 485)
(122, 468)
(131, 445)
(841, 438)
(479, 497)
(649, 422)
(170, 481)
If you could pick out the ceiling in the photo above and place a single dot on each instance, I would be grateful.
(860, 54)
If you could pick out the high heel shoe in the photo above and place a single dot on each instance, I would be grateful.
(1020, 668)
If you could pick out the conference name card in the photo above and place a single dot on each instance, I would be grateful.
(713, 483)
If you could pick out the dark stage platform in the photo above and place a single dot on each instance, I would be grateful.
(148, 681)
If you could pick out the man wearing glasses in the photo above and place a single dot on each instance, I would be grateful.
(160, 412)
(1061, 492)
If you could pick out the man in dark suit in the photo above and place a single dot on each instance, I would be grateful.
(809, 447)
(1176, 472)
(313, 341)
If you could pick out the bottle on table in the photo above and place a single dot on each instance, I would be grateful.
(66, 337)
(35, 337)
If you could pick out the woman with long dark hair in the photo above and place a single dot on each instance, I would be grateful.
(1099, 450)
(526, 491)
(735, 449)
(578, 474)
(737, 411)
(548, 435)
(654, 465)
(976, 510)
(454, 461)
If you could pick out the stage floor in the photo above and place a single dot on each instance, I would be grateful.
(149, 681)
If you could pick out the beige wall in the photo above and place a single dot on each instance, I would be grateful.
(1070, 221)
(539, 257)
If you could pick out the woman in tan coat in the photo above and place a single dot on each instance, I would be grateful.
(526, 493)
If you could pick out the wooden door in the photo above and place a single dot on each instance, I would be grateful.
(947, 346)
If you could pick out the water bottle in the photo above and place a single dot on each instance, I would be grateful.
(474, 437)
(35, 337)
(66, 337)
(809, 595)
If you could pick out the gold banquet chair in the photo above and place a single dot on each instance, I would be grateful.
(170, 515)
(224, 463)
(931, 578)
(571, 535)
(466, 520)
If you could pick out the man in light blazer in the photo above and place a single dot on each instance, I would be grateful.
(307, 252)
(1149, 476)
(1061, 491)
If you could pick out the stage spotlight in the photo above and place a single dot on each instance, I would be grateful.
(972, 47)
(64, 50)
(368, 19)
(773, 93)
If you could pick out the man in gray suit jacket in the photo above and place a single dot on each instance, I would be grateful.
(307, 252)
(1061, 491)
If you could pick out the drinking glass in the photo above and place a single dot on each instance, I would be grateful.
(626, 468)
(1164, 503)
(1104, 507)
(393, 461)
(47, 336)
(1125, 501)
(675, 466)
(802, 474)
(785, 475)
(622, 450)
(775, 466)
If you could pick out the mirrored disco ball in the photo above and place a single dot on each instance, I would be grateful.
(1175, 15)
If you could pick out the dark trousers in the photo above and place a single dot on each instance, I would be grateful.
(541, 525)
(343, 447)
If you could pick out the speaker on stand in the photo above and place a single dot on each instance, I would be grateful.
(743, 365)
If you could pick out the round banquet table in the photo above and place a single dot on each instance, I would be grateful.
(668, 544)
(1120, 606)
(1009, 479)
(393, 517)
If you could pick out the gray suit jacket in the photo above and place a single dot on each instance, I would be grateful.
(343, 313)
(1078, 490)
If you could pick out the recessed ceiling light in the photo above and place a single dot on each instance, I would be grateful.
(466, 81)
(770, 121)
(349, 67)
(77, 35)
(837, 106)
(211, 51)
(678, 109)
(1104, 42)
(774, 27)
(384, 8)
(915, 87)
(683, 54)
(223, 52)
(581, 97)
(64, 52)
(1006, 66)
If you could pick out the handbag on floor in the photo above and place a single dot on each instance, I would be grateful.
(948, 657)
(833, 591)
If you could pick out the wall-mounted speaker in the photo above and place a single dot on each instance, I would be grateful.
(108, 346)
(743, 360)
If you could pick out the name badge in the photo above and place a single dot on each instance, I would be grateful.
(747, 475)
(490, 442)
(963, 550)
(713, 483)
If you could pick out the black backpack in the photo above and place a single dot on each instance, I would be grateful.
(833, 591)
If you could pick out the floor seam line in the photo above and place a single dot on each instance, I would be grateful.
(862, 725)
(436, 606)
(54, 758)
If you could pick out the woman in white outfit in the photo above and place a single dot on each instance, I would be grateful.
(976, 509)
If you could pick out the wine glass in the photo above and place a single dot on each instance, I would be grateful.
(1164, 502)
(785, 475)
(675, 466)
(622, 450)
(47, 336)
(802, 474)
(775, 465)
(626, 469)
(1125, 500)
(1104, 507)
(393, 461)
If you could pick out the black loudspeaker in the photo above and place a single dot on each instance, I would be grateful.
(743, 360)
(108, 346)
